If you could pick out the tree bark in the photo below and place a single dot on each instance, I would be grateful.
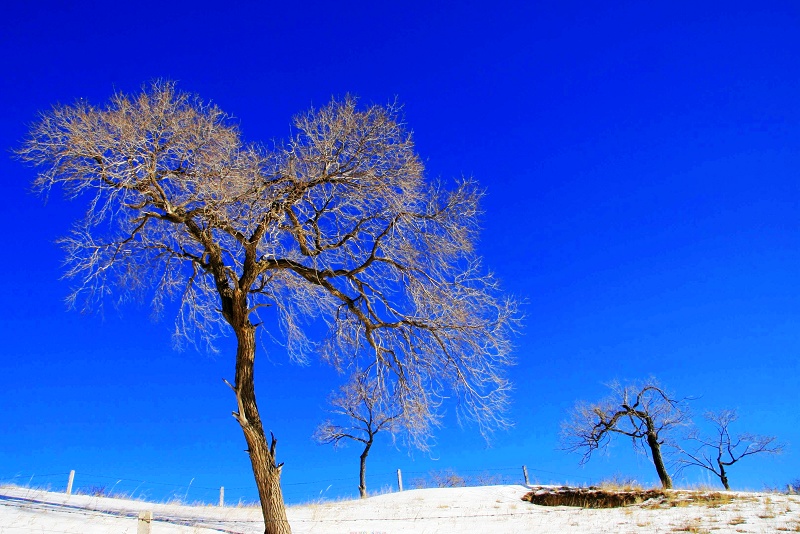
(723, 476)
(362, 486)
(262, 455)
(658, 460)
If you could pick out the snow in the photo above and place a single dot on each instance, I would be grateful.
(487, 509)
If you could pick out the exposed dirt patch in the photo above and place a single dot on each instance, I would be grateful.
(591, 497)
(602, 497)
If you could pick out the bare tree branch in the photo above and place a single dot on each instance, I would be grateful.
(718, 452)
(336, 224)
(643, 412)
(363, 407)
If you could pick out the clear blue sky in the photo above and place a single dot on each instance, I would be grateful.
(642, 168)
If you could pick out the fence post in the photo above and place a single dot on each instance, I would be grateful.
(221, 496)
(70, 481)
(399, 480)
(145, 518)
(525, 474)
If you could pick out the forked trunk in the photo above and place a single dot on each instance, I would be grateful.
(658, 460)
(262, 455)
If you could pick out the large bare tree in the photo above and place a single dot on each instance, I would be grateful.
(718, 452)
(337, 222)
(644, 412)
(361, 412)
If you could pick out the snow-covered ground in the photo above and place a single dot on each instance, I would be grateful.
(487, 509)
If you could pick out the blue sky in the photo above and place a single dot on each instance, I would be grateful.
(641, 165)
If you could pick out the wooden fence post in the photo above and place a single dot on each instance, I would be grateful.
(221, 496)
(145, 518)
(525, 474)
(399, 480)
(70, 481)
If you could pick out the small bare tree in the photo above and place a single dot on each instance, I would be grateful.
(643, 412)
(367, 412)
(721, 451)
(338, 223)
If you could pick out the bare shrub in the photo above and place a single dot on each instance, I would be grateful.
(446, 478)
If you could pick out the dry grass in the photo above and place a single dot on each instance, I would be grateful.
(769, 511)
(620, 483)
(709, 499)
(693, 526)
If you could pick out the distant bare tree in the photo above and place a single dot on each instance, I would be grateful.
(336, 223)
(720, 451)
(643, 412)
(367, 412)
(446, 478)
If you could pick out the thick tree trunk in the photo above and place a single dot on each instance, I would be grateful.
(658, 460)
(723, 476)
(262, 455)
(362, 478)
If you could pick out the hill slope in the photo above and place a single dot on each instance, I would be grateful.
(487, 509)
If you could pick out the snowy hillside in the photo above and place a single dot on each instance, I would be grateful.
(488, 509)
